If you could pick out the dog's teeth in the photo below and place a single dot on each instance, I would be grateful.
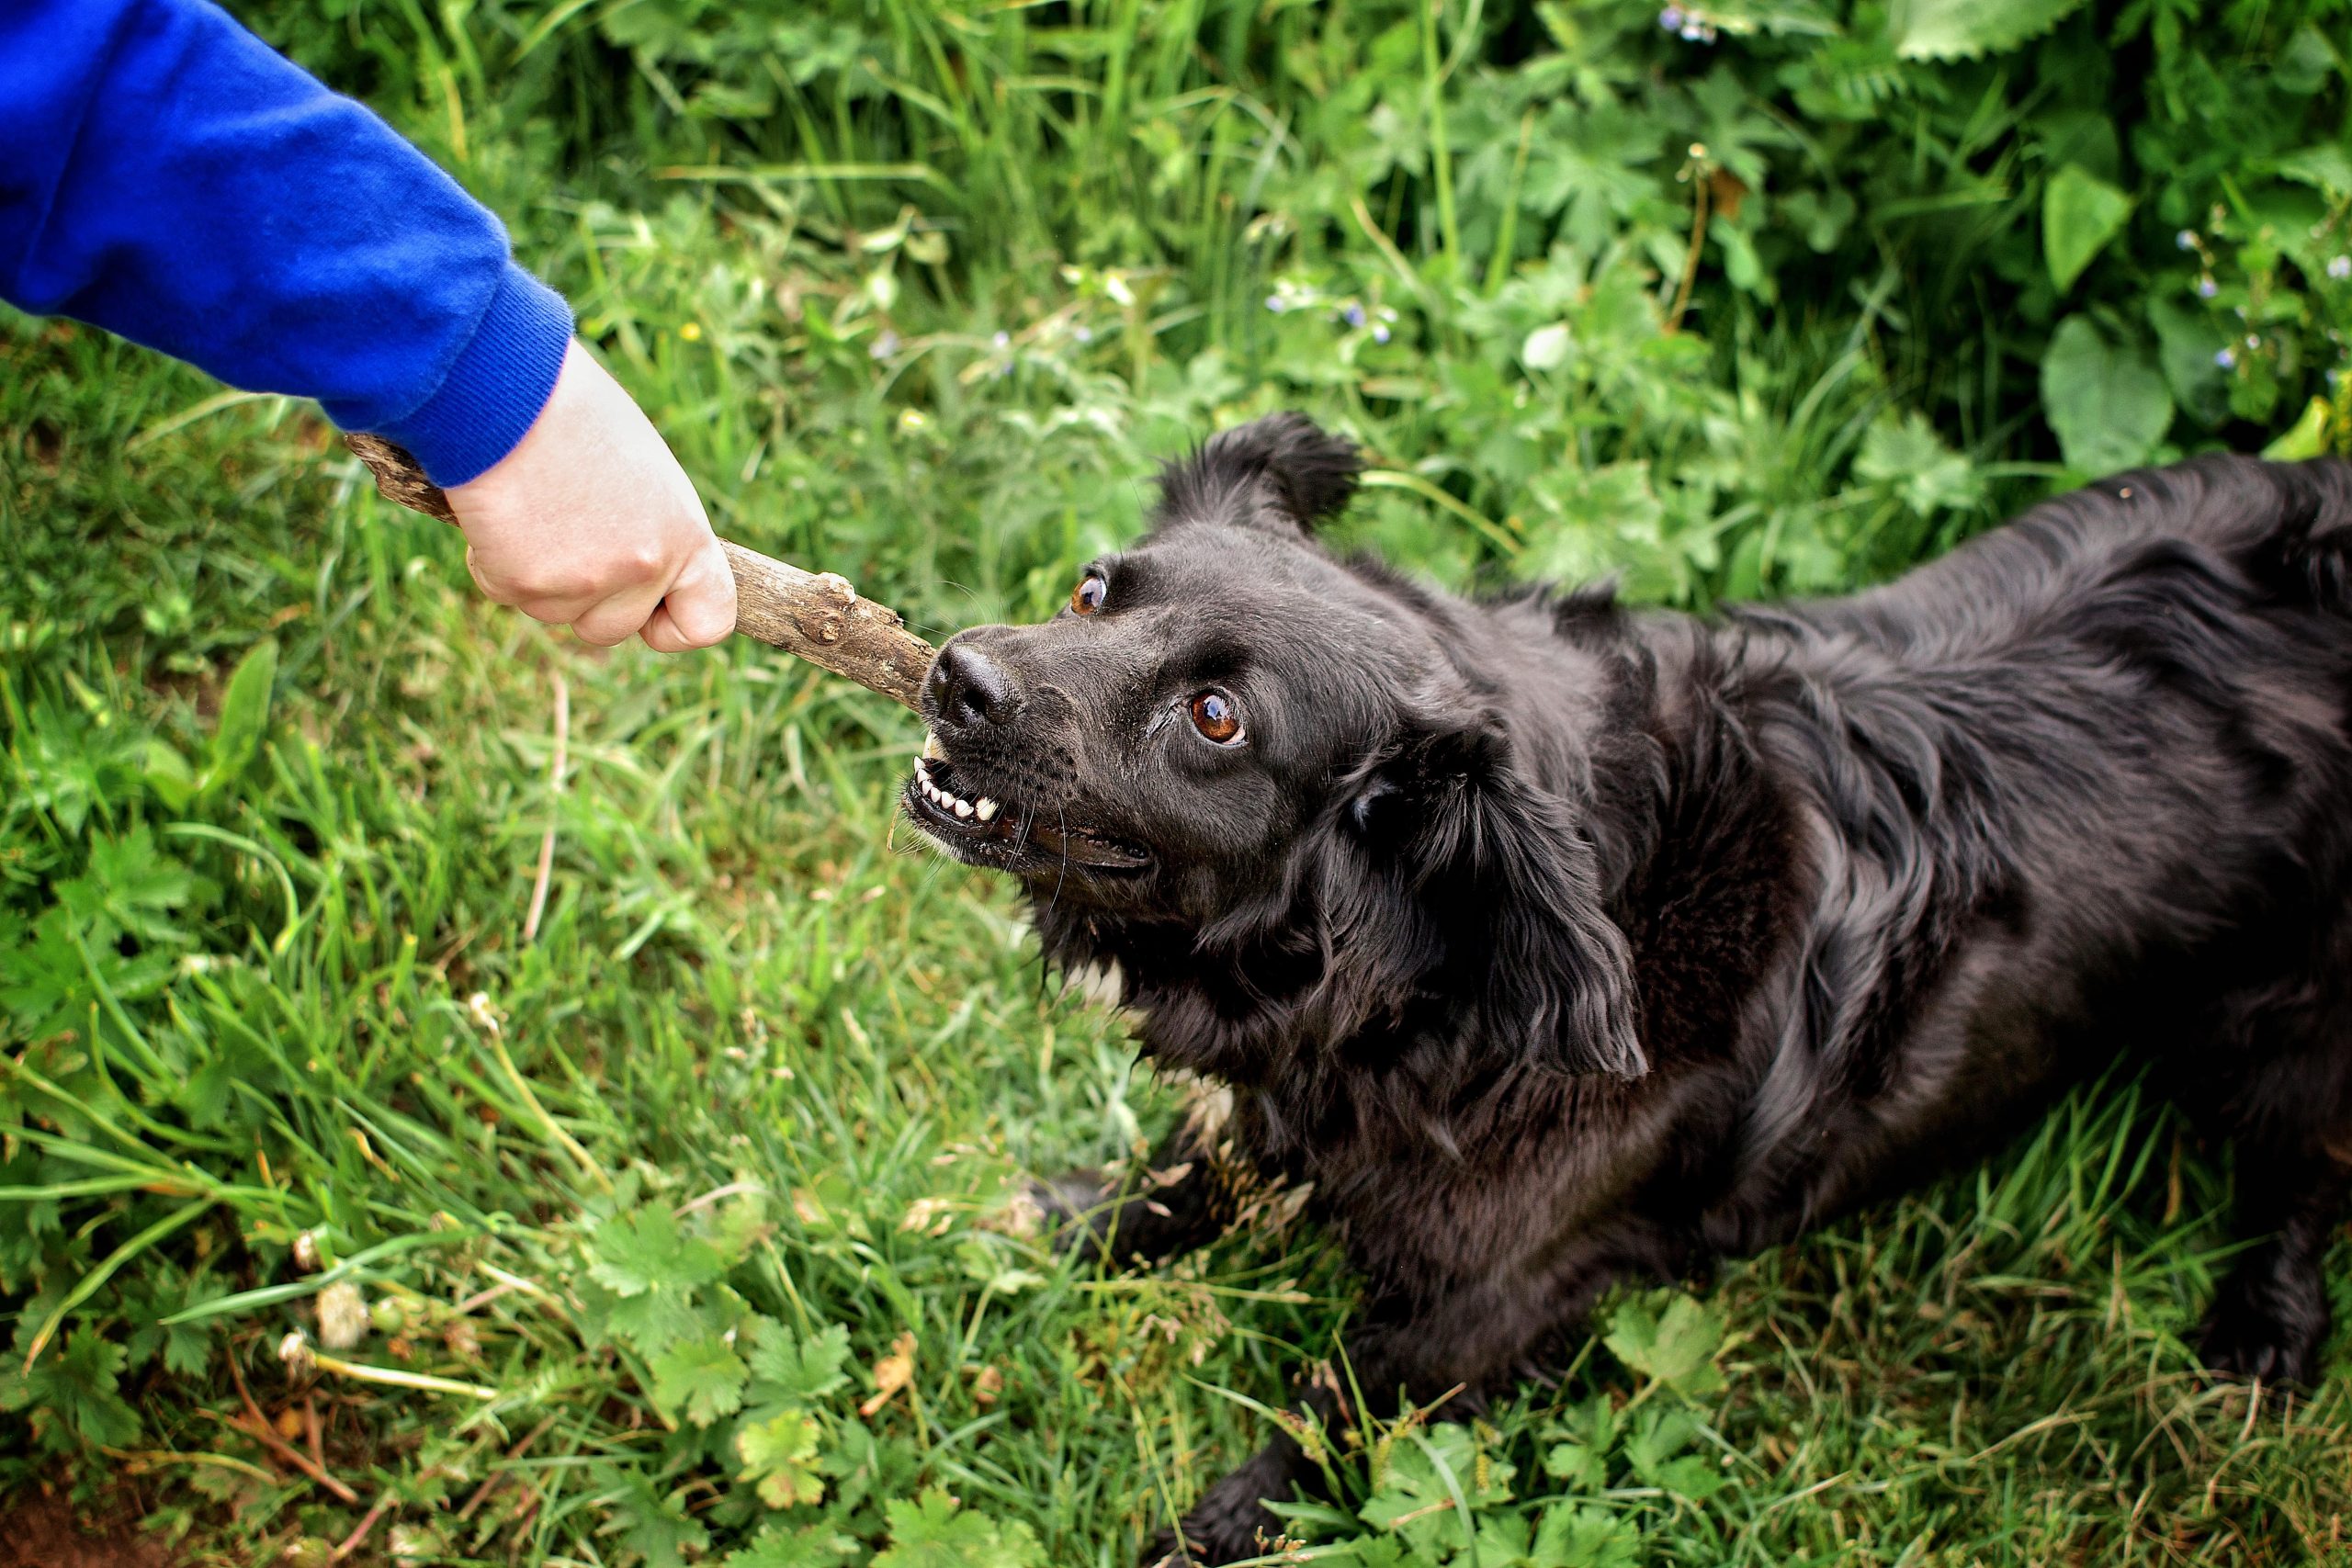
(922, 769)
(931, 749)
(963, 807)
(931, 789)
(985, 810)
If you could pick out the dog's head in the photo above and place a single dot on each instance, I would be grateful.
(1260, 778)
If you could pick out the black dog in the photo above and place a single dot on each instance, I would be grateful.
(1553, 942)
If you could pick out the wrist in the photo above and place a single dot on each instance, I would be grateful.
(496, 387)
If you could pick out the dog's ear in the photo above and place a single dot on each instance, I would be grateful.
(1282, 471)
(1508, 879)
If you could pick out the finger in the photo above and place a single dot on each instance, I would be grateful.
(555, 612)
(615, 620)
(489, 592)
(699, 607)
(662, 634)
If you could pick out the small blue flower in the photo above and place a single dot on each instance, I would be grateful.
(1353, 315)
(2339, 268)
(2185, 240)
(1002, 340)
(1274, 302)
(1380, 332)
(885, 345)
(2207, 288)
(2227, 359)
(1083, 334)
(1670, 18)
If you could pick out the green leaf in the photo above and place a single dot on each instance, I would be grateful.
(2186, 340)
(1573, 1535)
(656, 1320)
(811, 1546)
(1908, 458)
(653, 1529)
(2080, 213)
(244, 717)
(2108, 402)
(2306, 437)
(167, 774)
(776, 1455)
(1417, 1495)
(2326, 165)
(1678, 1347)
(75, 1384)
(643, 1249)
(936, 1531)
(790, 1369)
(703, 1376)
(1963, 29)
(138, 885)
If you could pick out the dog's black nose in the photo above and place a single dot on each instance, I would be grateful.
(969, 689)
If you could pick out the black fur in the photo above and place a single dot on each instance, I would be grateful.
(1550, 940)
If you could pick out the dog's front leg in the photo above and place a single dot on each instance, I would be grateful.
(1449, 1352)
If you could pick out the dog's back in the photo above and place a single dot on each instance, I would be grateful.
(2088, 776)
(2284, 528)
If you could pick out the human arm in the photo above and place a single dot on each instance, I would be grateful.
(167, 176)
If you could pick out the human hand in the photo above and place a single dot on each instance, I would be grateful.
(590, 523)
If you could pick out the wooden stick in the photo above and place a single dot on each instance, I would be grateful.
(814, 615)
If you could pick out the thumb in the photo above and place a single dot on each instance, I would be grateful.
(699, 608)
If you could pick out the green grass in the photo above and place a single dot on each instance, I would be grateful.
(265, 970)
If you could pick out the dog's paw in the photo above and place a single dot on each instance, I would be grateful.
(1076, 1205)
(2266, 1329)
(1209, 1543)
(1231, 1522)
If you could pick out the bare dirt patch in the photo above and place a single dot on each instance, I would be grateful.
(38, 1531)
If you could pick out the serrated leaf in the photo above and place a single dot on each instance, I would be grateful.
(790, 1369)
(702, 1376)
(776, 1455)
(76, 1382)
(2108, 402)
(1573, 1536)
(1910, 458)
(1573, 1464)
(655, 1321)
(644, 1248)
(811, 1546)
(936, 1531)
(2080, 213)
(1963, 29)
(654, 1530)
(1676, 1346)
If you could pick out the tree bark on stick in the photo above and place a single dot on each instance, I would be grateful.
(814, 615)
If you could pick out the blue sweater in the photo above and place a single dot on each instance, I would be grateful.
(166, 175)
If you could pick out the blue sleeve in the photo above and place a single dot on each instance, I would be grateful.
(167, 176)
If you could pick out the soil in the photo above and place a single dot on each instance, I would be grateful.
(38, 1531)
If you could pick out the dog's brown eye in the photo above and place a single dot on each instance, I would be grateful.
(1214, 716)
(1087, 597)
